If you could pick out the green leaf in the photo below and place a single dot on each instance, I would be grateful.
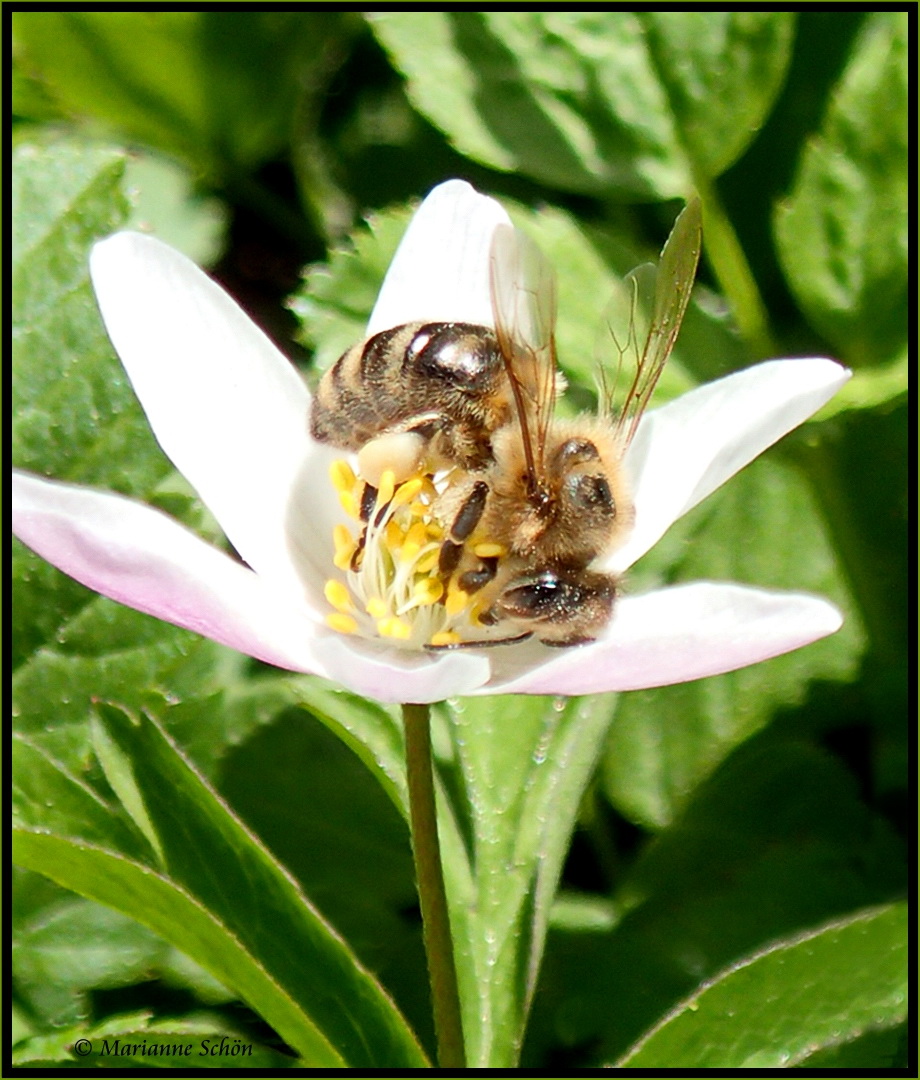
(70, 946)
(216, 89)
(134, 1041)
(336, 297)
(777, 840)
(776, 1008)
(722, 71)
(228, 904)
(45, 795)
(665, 741)
(842, 235)
(517, 771)
(612, 103)
(348, 843)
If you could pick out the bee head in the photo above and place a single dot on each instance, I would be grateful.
(562, 605)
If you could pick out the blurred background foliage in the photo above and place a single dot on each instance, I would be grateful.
(283, 149)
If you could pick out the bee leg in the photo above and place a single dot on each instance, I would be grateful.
(472, 581)
(368, 501)
(455, 645)
(465, 520)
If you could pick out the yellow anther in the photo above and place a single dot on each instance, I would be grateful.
(428, 562)
(445, 637)
(427, 591)
(386, 486)
(407, 491)
(349, 504)
(456, 601)
(338, 595)
(395, 536)
(376, 608)
(435, 531)
(345, 624)
(488, 550)
(394, 628)
(342, 476)
(415, 539)
(345, 547)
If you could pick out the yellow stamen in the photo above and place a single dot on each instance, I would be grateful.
(445, 637)
(456, 600)
(394, 628)
(427, 591)
(395, 536)
(487, 550)
(376, 608)
(428, 562)
(338, 595)
(349, 504)
(415, 538)
(385, 490)
(342, 475)
(407, 491)
(345, 547)
(345, 624)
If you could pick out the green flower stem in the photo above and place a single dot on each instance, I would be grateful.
(423, 821)
(728, 261)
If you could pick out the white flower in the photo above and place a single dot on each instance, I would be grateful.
(232, 414)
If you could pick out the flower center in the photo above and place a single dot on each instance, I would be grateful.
(391, 586)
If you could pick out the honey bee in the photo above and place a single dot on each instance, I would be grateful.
(555, 495)
(549, 497)
(419, 394)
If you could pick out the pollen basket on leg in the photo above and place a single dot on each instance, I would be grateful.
(392, 585)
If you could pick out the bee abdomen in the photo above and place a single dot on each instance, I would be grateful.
(420, 376)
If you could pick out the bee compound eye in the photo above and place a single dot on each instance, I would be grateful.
(535, 597)
(591, 493)
(576, 452)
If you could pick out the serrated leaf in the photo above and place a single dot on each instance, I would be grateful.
(619, 103)
(842, 235)
(774, 1009)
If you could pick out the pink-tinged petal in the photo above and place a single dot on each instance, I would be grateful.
(440, 272)
(226, 406)
(678, 634)
(685, 450)
(142, 558)
(394, 675)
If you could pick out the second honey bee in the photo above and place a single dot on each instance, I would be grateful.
(548, 499)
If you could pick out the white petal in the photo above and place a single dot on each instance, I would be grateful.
(395, 675)
(440, 272)
(225, 405)
(142, 558)
(685, 450)
(677, 634)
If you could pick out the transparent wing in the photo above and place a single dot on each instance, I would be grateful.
(663, 292)
(524, 306)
